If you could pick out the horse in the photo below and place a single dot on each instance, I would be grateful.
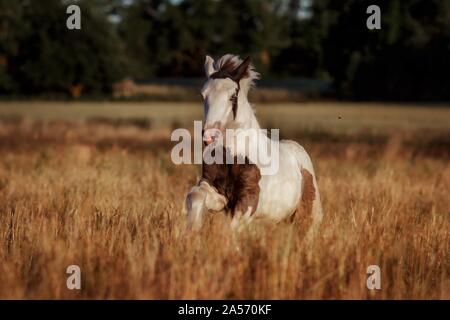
(290, 190)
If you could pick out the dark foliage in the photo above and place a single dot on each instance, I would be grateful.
(408, 59)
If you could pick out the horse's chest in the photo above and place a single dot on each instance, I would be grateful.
(238, 183)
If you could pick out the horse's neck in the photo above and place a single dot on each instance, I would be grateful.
(246, 117)
(246, 120)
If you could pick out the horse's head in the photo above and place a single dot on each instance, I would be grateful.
(220, 92)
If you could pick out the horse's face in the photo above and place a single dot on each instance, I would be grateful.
(219, 92)
(218, 107)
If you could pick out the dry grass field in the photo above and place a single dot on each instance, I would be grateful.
(92, 184)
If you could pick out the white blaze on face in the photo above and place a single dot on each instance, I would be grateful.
(218, 108)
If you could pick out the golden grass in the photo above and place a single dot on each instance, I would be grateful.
(106, 197)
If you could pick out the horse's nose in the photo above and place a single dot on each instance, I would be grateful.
(210, 135)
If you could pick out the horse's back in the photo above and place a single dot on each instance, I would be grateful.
(300, 153)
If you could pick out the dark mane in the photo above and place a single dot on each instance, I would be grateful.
(226, 66)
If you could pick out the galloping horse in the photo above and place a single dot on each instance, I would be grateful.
(291, 189)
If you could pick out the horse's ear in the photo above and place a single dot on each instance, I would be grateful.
(242, 70)
(209, 66)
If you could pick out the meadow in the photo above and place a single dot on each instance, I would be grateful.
(92, 184)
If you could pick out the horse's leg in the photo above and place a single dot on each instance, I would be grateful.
(214, 201)
(195, 207)
(199, 200)
(317, 212)
(241, 218)
(310, 203)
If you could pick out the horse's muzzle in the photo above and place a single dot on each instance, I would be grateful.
(211, 133)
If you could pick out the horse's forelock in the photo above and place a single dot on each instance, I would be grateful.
(228, 63)
(225, 65)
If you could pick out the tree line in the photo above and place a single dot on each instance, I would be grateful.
(407, 59)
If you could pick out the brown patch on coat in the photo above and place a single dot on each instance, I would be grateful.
(308, 192)
(239, 183)
(304, 208)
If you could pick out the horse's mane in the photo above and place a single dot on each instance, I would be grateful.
(230, 62)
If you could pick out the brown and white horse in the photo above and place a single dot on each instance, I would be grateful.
(292, 188)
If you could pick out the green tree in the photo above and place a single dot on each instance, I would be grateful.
(12, 30)
(167, 38)
(406, 60)
(44, 56)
